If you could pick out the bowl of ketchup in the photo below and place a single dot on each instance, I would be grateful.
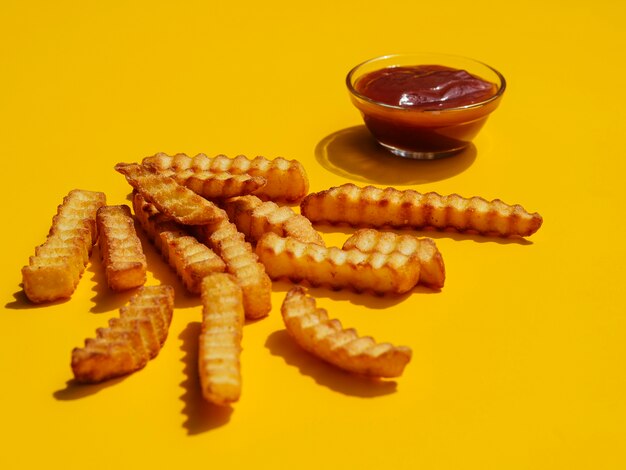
(425, 106)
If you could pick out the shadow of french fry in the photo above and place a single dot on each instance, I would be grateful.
(369, 300)
(21, 302)
(201, 416)
(427, 232)
(75, 390)
(280, 344)
(104, 300)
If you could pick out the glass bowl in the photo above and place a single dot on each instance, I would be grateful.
(430, 130)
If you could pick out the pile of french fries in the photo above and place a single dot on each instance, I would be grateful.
(222, 225)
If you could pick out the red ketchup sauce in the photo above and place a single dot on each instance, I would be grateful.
(425, 108)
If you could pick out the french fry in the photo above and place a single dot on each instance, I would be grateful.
(120, 248)
(154, 222)
(254, 218)
(130, 340)
(374, 207)
(432, 269)
(169, 197)
(220, 185)
(241, 261)
(191, 259)
(330, 266)
(220, 339)
(156, 302)
(312, 329)
(286, 180)
(55, 270)
(224, 185)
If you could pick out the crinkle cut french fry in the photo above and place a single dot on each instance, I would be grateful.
(155, 301)
(53, 273)
(220, 339)
(374, 207)
(286, 180)
(312, 329)
(190, 259)
(120, 248)
(241, 261)
(169, 197)
(432, 268)
(217, 185)
(130, 340)
(224, 185)
(254, 218)
(330, 266)
(154, 222)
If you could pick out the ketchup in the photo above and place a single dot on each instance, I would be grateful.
(424, 109)
(425, 86)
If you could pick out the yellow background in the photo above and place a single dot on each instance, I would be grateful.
(518, 362)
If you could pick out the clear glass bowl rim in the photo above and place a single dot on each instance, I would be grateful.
(502, 84)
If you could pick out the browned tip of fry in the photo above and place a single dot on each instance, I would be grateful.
(315, 332)
(123, 167)
(169, 197)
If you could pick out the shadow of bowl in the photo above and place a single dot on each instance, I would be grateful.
(354, 154)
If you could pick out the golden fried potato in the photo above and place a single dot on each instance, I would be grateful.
(120, 248)
(157, 302)
(216, 185)
(130, 340)
(311, 328)
(389, 207)
(286, 180)
(53, 273)
(254, 218)
(220, 339)
(432, 269)
(154, 222)
(330, 266)
(224, 185)
(191, 259)
(242, 263)
(169, 197)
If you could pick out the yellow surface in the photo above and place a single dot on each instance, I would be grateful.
(518, 363)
